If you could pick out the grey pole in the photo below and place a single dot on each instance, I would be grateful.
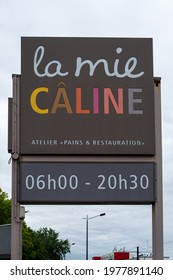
(87, 237)
(16, 222)
(87, 218)
(137, 253)
(157, 207)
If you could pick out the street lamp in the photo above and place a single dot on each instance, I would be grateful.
(71, 245)
(87, 219)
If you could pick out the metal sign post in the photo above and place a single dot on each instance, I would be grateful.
(157, 207)
(16, 222)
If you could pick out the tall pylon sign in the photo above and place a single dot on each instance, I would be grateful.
(86, 125)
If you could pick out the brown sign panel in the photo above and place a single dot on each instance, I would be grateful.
(87, 183)
(87, 96)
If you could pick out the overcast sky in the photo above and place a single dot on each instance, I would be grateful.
(123, 226)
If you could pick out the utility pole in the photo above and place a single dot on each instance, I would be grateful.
(137, 253)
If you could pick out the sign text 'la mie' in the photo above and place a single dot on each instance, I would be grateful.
(62, 100)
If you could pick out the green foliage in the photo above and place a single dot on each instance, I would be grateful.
(43, 244)
(5, 208)
(32, 249)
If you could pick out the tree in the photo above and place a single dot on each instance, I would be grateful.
(42, 244)
(5, 208)
(56, 248)
(32, 248)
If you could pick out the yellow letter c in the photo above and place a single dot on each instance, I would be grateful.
(34, 103)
